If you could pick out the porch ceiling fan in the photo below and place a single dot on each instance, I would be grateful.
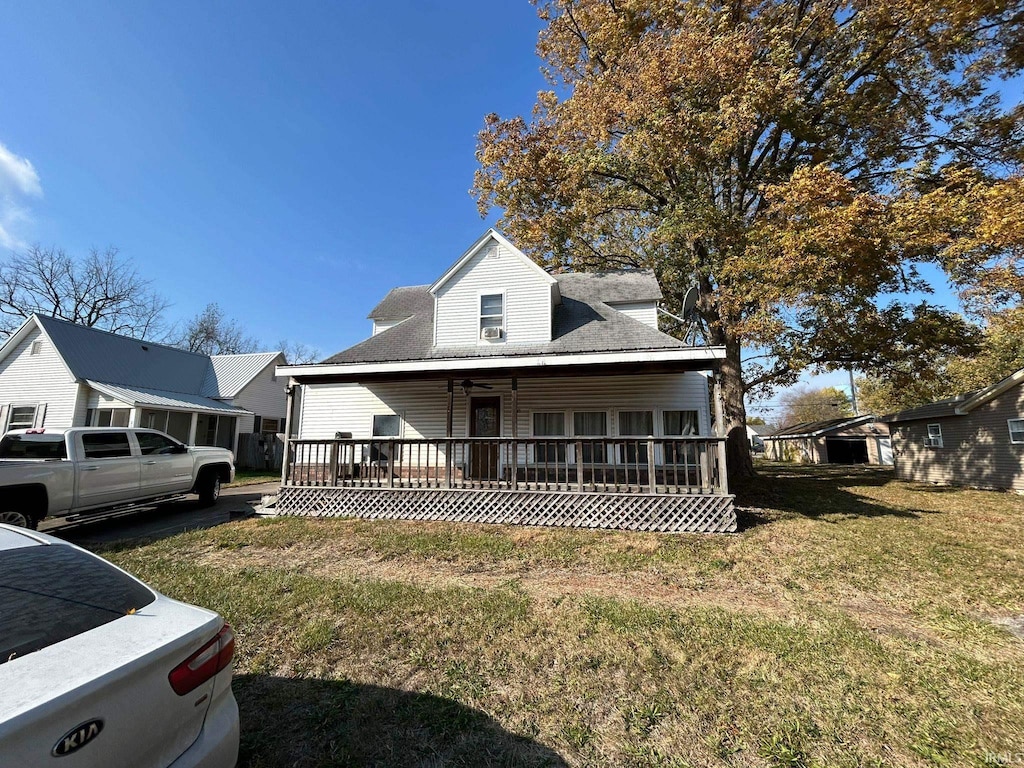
(467, 386)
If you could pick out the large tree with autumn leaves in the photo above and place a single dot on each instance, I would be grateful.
(796, 160)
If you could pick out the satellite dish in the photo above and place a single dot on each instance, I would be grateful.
(689, 303)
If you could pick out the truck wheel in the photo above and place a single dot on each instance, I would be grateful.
(13, 517)
(209, 488)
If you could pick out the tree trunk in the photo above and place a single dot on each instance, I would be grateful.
(737, 447)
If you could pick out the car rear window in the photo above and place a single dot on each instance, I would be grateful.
(51, 593)
(33, 446)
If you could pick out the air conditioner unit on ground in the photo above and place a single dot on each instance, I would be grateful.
(491, 333)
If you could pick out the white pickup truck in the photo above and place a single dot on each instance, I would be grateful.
(47, 472)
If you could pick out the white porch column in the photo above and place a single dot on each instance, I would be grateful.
(285, 462)
(134, 417)
(192, 428)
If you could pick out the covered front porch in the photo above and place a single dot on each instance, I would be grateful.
(611, 445)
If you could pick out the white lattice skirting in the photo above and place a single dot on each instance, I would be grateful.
(632, 512)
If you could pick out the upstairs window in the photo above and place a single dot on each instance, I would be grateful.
(492, 316)
(1016, 431)
(934, 438)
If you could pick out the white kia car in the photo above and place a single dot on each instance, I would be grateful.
(97, 669)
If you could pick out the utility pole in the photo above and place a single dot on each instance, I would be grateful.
(853, 395)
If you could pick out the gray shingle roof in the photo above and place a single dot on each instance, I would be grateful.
(583, 322)
(934, 410)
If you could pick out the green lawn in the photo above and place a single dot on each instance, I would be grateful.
(855, 621)
(254, 477)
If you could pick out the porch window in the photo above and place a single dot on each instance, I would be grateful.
(934, 438)
(212, 429)
(492, 316)
(177, 424)
(635, 424)
(1016, 431)
(22, 417)
(385, 425)
(678, 424)
(111, 417)
(551, 424)
(591, 424)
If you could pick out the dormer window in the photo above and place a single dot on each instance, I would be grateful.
(492, 316)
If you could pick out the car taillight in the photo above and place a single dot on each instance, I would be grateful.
(204, 663)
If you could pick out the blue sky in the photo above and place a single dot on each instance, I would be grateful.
(290, 161)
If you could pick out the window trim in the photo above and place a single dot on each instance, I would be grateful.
(480, 316)
(1009, 427)
(931, 437)
(10, 415)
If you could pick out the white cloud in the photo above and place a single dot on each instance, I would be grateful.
(17, 175)
(18, 181)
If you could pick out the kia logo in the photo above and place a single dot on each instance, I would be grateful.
(77, 737)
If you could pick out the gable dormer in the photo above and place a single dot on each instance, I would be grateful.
(493, 295)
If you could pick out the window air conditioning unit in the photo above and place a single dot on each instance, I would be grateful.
(491, 333)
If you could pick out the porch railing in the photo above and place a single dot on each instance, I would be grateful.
(670, 465)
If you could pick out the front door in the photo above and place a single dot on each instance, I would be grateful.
(484, 421)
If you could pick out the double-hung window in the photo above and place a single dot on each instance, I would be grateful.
(1016, 431)
(549, 424)
(934, 436)
(678, 424)
(21, 417)
(592, 424)
(492, 316)
(635, 424)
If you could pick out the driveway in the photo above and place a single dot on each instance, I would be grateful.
(159, 521)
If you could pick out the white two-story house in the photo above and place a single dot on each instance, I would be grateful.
(503, 393)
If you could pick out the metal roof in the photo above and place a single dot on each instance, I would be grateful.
(164, 399)
(227, 375)
(145, 366)
(104, 356)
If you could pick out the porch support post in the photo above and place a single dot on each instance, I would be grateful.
(723, 471)
(515, 433)
(286, 461)
(449, 446)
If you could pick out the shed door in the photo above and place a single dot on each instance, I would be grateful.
(484, 421)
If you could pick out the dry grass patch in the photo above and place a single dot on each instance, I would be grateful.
(851, 623)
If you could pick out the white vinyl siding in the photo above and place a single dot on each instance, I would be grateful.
(644, 311)
(330, 408)
(41, 379)
(383, 325)
(264, 396)
(527, 305)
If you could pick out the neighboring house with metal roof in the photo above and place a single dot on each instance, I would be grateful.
(55, 374)
(975, 439)
(849, 440)
(503, 392)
